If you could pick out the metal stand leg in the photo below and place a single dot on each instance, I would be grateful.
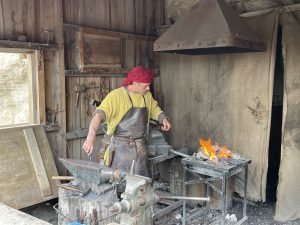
(184, 194)
(245, 192)
(208, 195)
(223, 202)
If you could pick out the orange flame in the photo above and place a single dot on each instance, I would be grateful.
(224, 153)
(214, 152)
(208, 149)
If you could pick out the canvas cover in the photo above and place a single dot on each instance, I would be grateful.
(288, 197)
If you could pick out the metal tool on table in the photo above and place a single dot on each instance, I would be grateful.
(159, 150)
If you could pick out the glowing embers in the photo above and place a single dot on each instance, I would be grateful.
(213, 152)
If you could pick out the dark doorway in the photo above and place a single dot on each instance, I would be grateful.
(276, 124)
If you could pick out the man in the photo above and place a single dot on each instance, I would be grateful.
(127, 111)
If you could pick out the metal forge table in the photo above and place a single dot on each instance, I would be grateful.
(214, 172)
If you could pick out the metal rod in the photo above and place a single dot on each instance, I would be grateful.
(224, 202)
(185, 198)
(245, 193)
(184, 194)
(179, 153)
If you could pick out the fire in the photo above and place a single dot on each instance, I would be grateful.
(208, 149)
(214, 152)
(224, 153)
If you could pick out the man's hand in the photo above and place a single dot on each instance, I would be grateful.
(166, 125)
(88, 145)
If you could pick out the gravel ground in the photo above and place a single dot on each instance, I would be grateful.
(258, 213)
(43, 211)
(261, 214)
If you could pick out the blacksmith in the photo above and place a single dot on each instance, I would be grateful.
(126, 111)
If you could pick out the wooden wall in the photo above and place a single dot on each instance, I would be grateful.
(41, 21)
(129, 16)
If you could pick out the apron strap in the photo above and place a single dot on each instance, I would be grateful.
(128, 95)
(131, 99)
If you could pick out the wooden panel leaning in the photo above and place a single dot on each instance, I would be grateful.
(37, 161)
(26, 177)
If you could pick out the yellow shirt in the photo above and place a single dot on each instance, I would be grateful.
(117, 103)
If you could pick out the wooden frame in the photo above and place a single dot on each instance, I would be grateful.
(37, 105)
(99, 51)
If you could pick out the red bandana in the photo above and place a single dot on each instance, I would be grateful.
(138, 74)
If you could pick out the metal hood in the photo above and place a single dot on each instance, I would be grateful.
(209, 27)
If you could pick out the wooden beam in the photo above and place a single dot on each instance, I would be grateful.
(102, 72)
(83, 132)
(63, 178)
(37, 162)
(281, 9)
(27, 45)
(108, 33)
(41, 86)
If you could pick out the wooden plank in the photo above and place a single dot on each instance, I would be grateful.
(27, 45)
(41, 86)
(159, 12)
(11, 216)
(52, 20)
(96, 13)
(109, 72)
(29, 22)
(2, 18)
(76, 123)
(85, 112)
(37, 162)
(82, 133)
(63, 178)
(108, 33)
(139, 12)
(9, 18)
(70, 99)
(100, 51)
(121, 20)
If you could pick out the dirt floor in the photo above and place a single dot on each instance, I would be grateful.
(258, 213)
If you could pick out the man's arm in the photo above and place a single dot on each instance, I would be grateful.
(160, 115)
(164, 120)
(98, 118)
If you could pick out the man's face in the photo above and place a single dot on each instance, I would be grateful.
(142, 88)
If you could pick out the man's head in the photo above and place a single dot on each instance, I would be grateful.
(141, 88)
(139, 78)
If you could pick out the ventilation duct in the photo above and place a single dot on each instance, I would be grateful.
(209, 27)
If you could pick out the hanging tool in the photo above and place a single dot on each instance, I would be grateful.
(78, 89)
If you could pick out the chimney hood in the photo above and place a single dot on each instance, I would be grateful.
(209, 27)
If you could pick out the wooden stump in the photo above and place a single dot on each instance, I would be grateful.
(91, 209)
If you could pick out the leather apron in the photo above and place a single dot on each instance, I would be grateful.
(128, 141)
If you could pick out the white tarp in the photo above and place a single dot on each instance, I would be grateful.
(288, 197)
